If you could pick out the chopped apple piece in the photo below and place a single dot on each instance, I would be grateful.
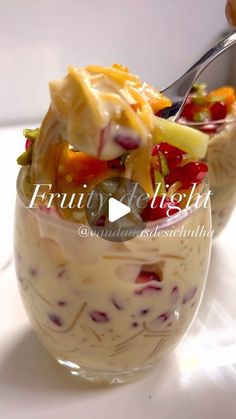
(193, 142)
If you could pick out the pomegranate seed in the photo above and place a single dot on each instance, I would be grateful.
(128, 143)
(166, 148)
(152, 214)
(99, 316)
(218, 110)
(55, 319)
(27, 144)
(172, 154)
(155, 149)
(174, 160)
(193, 173)
(146, 276)
(163, 317)
(174, 176)
(149, 289)
(190, 109)
(61, 303)
(190, 173)
(189, 295)
(144, 311)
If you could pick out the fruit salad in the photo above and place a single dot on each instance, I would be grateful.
(106, 309)
(215, 113)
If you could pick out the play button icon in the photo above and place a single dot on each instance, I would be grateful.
(116, 210)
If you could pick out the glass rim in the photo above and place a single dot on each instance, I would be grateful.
(193, 124)
(163, 223)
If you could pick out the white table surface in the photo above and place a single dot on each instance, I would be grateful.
(197, 381)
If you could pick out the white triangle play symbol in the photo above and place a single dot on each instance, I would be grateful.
(116, 210)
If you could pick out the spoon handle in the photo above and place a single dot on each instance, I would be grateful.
(179, 90)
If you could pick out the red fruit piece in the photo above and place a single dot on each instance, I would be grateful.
(172, 154)
(174, 176)
(146, 276)
(126, 142)
(193, 172)
(174, 160)
(163, 317)
(189, 295)
(55, 319)
(218, 111)
(166, 148)
(62, 303)
(99, 316)
(155, 149)
(161, 206)
(149, 289)
(27, 144)
(144, 311)
(190, 109)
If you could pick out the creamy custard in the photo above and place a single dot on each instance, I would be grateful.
(83, 299)
(222, 174)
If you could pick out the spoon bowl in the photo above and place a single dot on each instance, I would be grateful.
(179, 90)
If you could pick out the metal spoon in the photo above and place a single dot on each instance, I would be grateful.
(179, 90)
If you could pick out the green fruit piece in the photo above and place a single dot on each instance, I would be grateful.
(31, 134)
(199, 99)
(25, 158)
(192, 141)
(159, 179)
(199, 88)
(164, 164)
(200, 116)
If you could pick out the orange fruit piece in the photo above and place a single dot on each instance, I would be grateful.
(156, 99)
(224, 94)
(120, 67)
(80, 168)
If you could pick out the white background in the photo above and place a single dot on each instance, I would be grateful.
(156, 39)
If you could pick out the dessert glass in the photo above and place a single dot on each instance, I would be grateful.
(221, 162)
(109, 311)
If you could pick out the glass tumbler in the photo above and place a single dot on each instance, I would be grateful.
(221, 169)
(109, 311)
